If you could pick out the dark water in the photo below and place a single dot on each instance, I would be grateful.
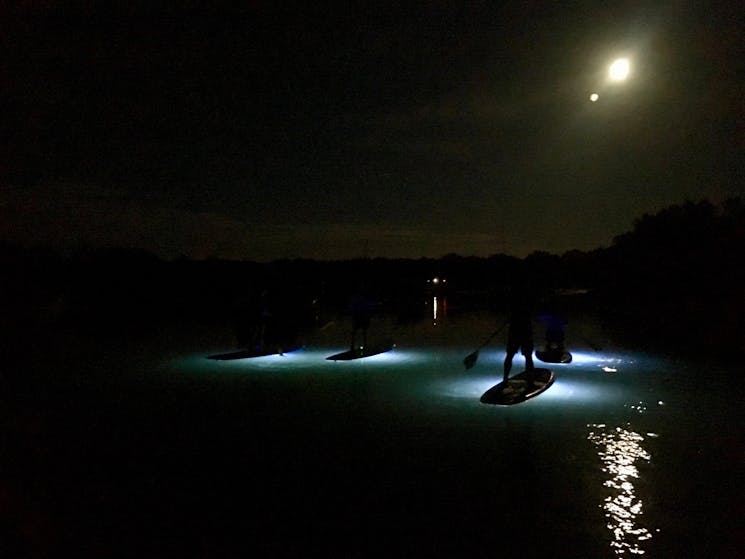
(132, 450)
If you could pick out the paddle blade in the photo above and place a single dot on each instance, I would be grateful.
(470, 360)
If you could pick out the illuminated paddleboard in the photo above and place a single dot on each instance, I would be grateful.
(554, 356)
(517, 390)
(250, 353)
(360, 353)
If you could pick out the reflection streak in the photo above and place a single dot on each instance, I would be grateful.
(619, 449)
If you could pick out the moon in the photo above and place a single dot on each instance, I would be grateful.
(594, 97)
(619, 70)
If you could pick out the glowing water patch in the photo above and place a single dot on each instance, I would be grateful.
(589, 358)
(395, 356)
(579, 358)
(467, 387)
(303, 360)
(581, 392)
(619, 450)
(300, 359)
(579, 383)
(563, 391)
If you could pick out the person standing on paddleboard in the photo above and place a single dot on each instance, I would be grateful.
(520, 326)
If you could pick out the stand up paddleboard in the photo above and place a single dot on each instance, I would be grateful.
(516, 389)
(250, 353)
(359, 353)
(554, 356)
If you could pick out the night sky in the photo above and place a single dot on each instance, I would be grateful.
(363, 128)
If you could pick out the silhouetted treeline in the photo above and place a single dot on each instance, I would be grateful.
(679, 277)
(675, 279)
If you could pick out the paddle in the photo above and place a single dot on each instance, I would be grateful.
(471, 358)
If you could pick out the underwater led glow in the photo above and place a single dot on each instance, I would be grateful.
(395, 356)
(563, 391)
(581, 392)
(467, 387)
(580, 383)
(619, 449)
(588, 357)
(436, 375)
(302, 360)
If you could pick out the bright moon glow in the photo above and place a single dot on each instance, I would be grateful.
(619, 70)
(594, 97)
